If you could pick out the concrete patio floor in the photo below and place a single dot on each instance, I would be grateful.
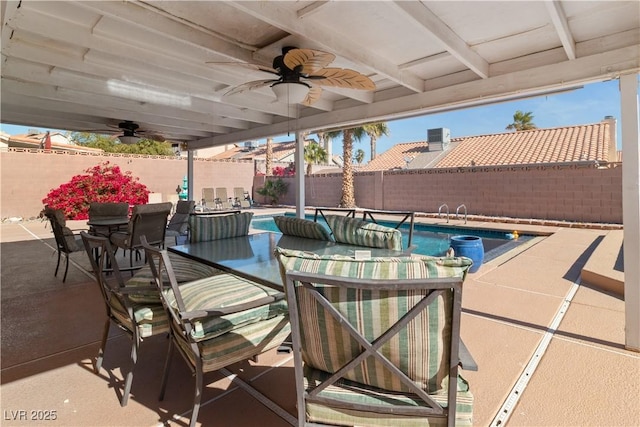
(527, 320)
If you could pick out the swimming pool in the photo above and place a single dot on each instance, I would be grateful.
(430, 239)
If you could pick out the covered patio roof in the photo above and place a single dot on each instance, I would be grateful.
(166, 65)
(91, 65)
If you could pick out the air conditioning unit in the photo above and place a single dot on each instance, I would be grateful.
(438, 139)
(251, 145)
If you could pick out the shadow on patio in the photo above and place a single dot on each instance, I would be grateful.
(523, 313)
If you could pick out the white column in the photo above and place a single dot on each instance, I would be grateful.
(631, 207)
(300, 202)
(190, 175)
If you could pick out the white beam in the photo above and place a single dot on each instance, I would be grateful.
(166, 25)
(451, 41)
(287, 20)
(562, 27)
(631, 206)
(478, 92)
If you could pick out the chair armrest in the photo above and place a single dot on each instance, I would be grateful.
(222, 311)
(465, 358)
(137, 289)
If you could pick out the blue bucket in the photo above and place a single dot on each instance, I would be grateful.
(470, 247)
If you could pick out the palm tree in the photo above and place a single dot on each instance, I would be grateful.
(375, 131)
(348, 199)
(522, 121)
(269, 158)
(314, 154)
(359, 156)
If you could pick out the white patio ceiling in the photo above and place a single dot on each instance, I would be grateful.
(90, 65)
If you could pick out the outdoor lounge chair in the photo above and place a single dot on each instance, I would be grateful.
(66, 241)
(208, 198)
(138, 319)
(376, 344)
(355, 231)
(222, 200)
(216, 321)
(241, 198)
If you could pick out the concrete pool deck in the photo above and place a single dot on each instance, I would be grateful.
(526, 315)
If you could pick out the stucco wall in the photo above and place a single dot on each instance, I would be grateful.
(560, 192)
(27, 176)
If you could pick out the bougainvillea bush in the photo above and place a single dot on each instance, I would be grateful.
(101, 183)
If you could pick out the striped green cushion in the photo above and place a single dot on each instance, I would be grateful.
(242, 344)
(224, 290)
(358, 232)
(349, 391)
(151, 318)
(207, 228)
(185, 269)
(301, 228)
(419, 349)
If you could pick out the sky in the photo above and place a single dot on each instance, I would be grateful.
(582, 106)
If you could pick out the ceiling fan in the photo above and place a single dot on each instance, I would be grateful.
(131, 133)
(300, 72)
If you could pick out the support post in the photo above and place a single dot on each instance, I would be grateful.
(300, 197)
(190, 175)
(631, 207)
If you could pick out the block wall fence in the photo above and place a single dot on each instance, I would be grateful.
(28, 175)
(576, 193)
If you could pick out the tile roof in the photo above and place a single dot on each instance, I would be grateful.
(280, 151)
(588, 142)
(394, 157)
(555, 145)
(33, 140)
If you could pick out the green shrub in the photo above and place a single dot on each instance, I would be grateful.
(273, 190)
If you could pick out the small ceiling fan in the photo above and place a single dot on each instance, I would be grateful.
(299, 73)
(131, 133)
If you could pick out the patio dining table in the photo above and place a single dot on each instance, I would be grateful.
(252, 257)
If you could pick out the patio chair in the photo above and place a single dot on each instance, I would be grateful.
(179, 223)
(241, 198)
(301, 227)
(222, 200)
(376, 342)
(207, 228)
(106, 210)
(216, 321)
(138, 319)
(66, 241)
(146, 220)
(355, 231)
(208, 198)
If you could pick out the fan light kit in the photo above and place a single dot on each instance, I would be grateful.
(290, 93)
(129, 139)
(129, 135)
(298, 71)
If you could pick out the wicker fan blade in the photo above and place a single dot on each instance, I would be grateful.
(249, 66)
(152, 136)
(311, 60)
(343, 77)
(256, 84)
(312, 96)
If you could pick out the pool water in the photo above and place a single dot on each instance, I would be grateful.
(430, 239)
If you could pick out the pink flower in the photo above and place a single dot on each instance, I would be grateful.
(101, 183)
